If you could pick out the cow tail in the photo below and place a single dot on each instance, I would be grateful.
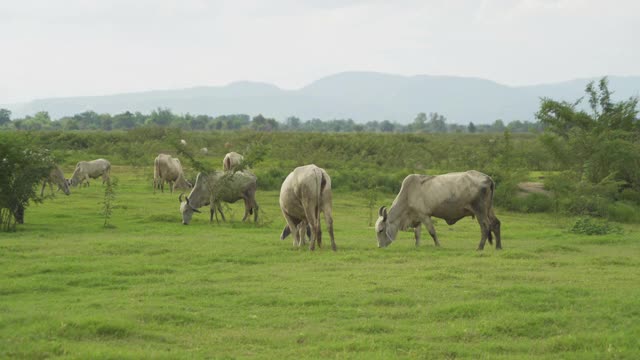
(321, 188)
(490, 210)
(321, 184)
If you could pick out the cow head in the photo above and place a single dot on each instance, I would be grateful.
(382, 228)
(64, 186)
(186, 209)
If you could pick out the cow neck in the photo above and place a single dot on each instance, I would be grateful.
(394, 218)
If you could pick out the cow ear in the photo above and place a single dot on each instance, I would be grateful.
(384, 214)
(380, 210)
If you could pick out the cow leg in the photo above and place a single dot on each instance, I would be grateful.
(432, 230)
(302, 232)
(329, 219)
(485, 222)
(416, 231)
(247, 209)
(495, 228)
(484, 231)
(219, 207)
(44, 184)
(256, 209)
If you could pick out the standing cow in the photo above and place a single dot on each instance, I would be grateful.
(304, 194)
(231, 161)
(93, 169)
(168, 169)
(216, 187)
(55, 177)
(450, 197)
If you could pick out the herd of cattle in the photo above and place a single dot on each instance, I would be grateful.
(306, 192)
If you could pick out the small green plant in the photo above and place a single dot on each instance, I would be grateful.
(107, 202)
(589, 226)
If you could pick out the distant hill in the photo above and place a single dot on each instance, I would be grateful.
(361, 96)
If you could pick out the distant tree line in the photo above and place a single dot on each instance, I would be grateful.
(90, 120)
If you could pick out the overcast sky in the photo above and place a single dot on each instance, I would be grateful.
(92, 47)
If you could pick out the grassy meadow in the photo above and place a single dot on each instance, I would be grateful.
(149, 287)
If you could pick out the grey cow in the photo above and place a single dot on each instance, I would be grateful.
(93, 169)
(56, 176)
(168, 169)
(218, 186)
(449, 196)
(304, 194)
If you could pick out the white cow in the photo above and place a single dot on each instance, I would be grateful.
(450, 197)
(93, 169)
(304, 194)
(56, 176)
(168, 169)
(231, 161)
(219, 186)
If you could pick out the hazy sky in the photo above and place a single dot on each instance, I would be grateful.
(91, 47)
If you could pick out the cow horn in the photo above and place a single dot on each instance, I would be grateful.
(180, 197)
(381, 210)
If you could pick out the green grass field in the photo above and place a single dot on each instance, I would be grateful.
(149, 287)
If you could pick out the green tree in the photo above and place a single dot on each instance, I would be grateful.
(22, 168)
(437, 123)
(5, 116)
(498, 126)
(471, 128)
(598, 146)
(160, 117)
(260, 123)
(293, 123)
(419, 123)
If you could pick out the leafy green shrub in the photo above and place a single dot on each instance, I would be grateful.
(630, 195)
(623, 212)
(589, 226)
(22, 168)
(532, 203)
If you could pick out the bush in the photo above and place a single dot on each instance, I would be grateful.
(532, 203)
(21, 171)
(589, 226)
(623, 212)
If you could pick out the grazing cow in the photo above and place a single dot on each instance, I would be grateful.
(55, 177)
(231, 161)
(450, 197)
(168, 169)
(93, 169)
(219, 186)
(304, 194)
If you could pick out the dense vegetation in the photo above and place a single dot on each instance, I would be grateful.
(90, 120)
(589, 159)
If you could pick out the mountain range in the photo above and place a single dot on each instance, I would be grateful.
(361, 96)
